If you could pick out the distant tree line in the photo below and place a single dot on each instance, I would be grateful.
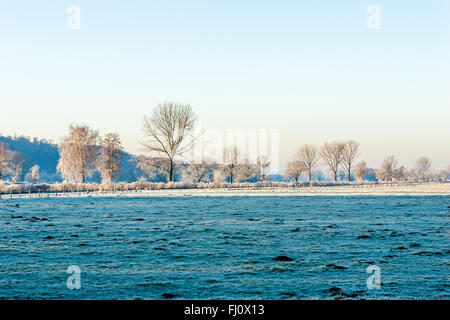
(340, 157)
(83, 153)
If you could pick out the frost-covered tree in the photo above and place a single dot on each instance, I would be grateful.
(198, 172)
(16, 165)
(440, 175)
(399, 174)
(155, 169)
(34, 171)
(166, 131)
(231, 161)
(411, 175)
(332, 155)
(263, 163)
(423, 166)
(110, 159)
(219, 176)
(247, 170)
(78, 153)
(308, 155)
(386, 172)
(11, 162)
(294, 170)
(5, 159)
(361, 171)
(350, 153)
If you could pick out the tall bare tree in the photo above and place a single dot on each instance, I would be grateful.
(78, 153)
(294, 170)
(308, 155)
(331, 153)
(350, 153)
(423, 166)
(231, 161)
(166, 130)
(263, 164)
(110, 158)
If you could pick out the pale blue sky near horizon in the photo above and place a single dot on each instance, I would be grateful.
(311, 69)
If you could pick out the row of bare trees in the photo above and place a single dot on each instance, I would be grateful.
(233, 168)
(83, 151)
(337, 155)
(168, 130)
(391, 171)
(340, 156)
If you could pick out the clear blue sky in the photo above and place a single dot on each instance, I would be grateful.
(311, 69)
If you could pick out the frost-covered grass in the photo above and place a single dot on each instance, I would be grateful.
(225, 247)
(242, 189)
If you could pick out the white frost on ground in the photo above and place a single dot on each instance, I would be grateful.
(427, 189)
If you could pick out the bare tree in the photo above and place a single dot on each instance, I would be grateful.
(294, 170)
(197, 172)
(423, 166)
(231, 161)
(386, 172)
(247, 170)
(350, 152)
(110, 159)
(166, 130)
(399, 174)
(308, 155)
(263, 164)
(331, 153)
(78, 153)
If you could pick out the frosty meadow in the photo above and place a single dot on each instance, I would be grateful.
(233, 151)
(225, 247)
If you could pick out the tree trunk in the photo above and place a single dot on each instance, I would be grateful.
(170, 178)
(231, 178)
